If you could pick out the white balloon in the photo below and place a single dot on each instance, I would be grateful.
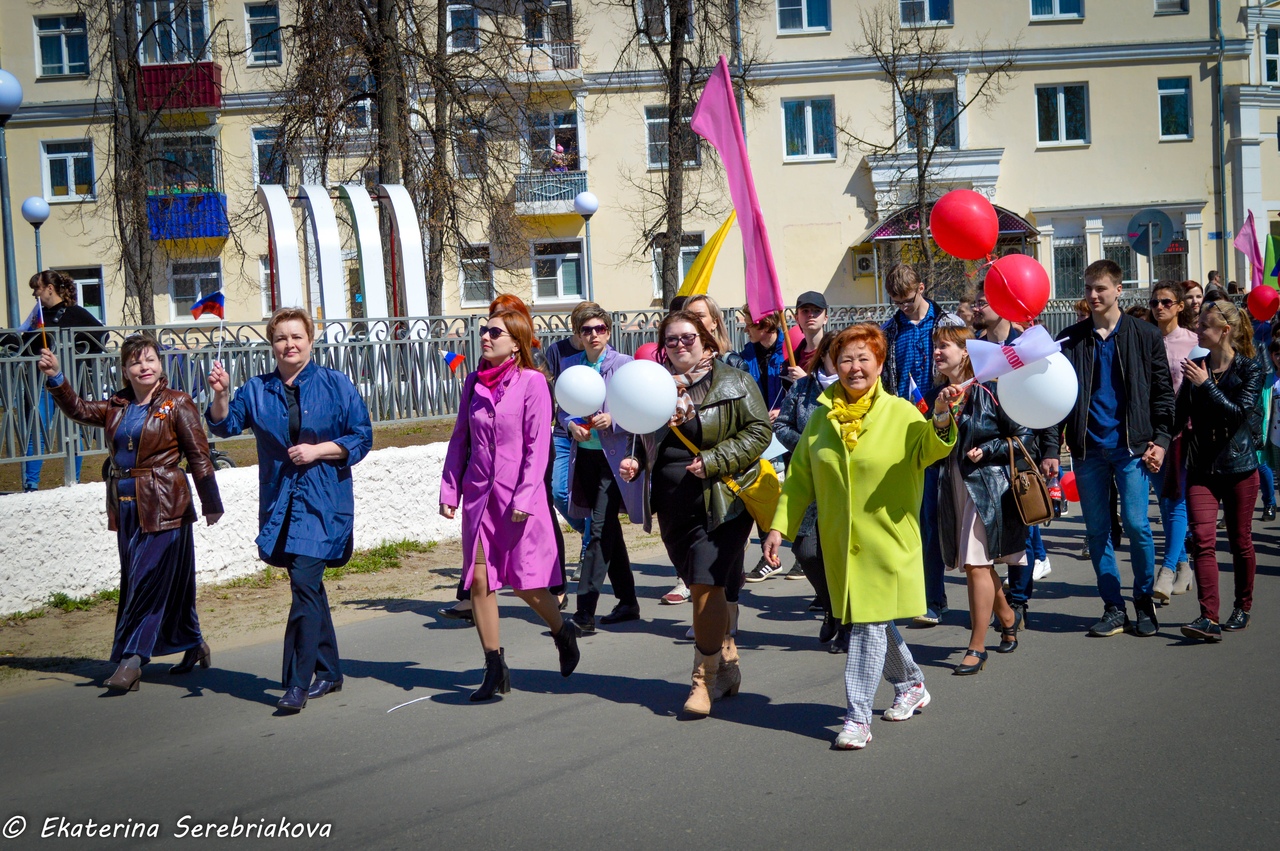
(580, 391)
(1040, 394)
(641, 396)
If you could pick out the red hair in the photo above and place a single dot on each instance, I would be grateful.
(507, 301)
(865, 333)
(521, 330)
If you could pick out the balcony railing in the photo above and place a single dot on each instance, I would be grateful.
(554, 56)
(548, 193)
(191, 85)
(194, 216)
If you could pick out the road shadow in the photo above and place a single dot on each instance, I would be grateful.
(79, 666)
(238, 684)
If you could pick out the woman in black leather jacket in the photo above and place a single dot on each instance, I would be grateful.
(978, 518)
(1215, 416)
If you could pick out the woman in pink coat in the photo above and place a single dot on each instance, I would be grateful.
(495, 467)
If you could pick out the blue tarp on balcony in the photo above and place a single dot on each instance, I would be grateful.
(188, 216)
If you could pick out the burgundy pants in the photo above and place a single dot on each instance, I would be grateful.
(1238, 493)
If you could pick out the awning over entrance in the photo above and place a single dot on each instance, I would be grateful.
(905, 224)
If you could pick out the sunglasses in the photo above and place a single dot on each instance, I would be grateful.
(1162, 302)
(492, 331)
(675, 341)
(593, 330)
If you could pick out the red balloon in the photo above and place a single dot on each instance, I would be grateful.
(1069, 489)
(964, 224)
(796, 336)
(1263, 303)
(1017, 287)
(647, 351)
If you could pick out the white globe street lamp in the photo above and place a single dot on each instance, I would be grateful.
(585, 204)
(10, 100)
(36, 211)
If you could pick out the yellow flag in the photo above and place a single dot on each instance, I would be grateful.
(699, 277)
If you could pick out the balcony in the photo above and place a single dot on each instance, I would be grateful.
(201, 215)
(549, 193)
(189, 85)
(549, 61)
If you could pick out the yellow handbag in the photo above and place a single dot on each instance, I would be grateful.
(757, 486)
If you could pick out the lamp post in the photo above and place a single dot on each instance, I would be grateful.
(10, 100)
(36, 211)
(585, 204)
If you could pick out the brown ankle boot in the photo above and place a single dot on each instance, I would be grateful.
(704, 677)
(728, 675)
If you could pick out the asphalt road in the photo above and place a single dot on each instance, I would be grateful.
(1070, 742)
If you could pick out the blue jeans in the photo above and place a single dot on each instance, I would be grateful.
(560, 486)
(935, 590)
(1094, 474)
(31, 469)
(1267, 479)
(1173, 517)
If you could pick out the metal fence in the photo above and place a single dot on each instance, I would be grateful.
(398, 366)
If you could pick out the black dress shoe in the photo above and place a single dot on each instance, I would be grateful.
(621, 613)
(322, 687)
(586, 623)
(830, 626)
(968, 670)
(295, 698)
(201, 656)
(1269, 513)
(454, 613)
(1239, 620)
(497, 676)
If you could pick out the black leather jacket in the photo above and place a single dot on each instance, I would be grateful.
(1218, 420)
(983, 424)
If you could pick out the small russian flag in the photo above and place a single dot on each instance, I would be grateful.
(453, 359)
(213, 303)
(35, 319)
(917, 398)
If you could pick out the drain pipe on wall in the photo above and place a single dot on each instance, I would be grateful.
(1223, 235)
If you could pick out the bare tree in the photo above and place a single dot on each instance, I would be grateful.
(677, 43)
(920, 66)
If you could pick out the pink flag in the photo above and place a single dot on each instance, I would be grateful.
(1246, 242)
(715, 119)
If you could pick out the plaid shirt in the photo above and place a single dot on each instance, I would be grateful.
(911, 351)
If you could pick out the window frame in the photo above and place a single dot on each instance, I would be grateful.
(46, 176)
(1161, 94)
(216, 185)
(809, 156)
(1078, 244)
(1062, 142)
(560, 297)
(932, 126)
(687, 248)
(92, 278)
(179, 56)
(255, 143)
(250, 41)
(1184, 8)
(62, 32)
(473, 30)
(650, 123)
(805, 28)
(173, 276)
(927, 20)
(463, 260)
(642, 18)
(1057, 14)
(1271, 60)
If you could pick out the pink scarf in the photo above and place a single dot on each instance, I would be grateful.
(685, 409)
(495, 377)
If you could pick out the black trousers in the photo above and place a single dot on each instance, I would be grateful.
(606, 554)
(310, 644)
(808, 552)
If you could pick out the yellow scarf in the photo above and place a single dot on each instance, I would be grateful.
(848, 415)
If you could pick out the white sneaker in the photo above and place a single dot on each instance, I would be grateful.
(677, 595)
(854, 736)
(1041, 570)
(689, 634)
(908, 703)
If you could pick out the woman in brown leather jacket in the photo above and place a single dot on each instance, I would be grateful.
(150, 428)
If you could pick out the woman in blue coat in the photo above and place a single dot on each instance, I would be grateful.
(311, 426)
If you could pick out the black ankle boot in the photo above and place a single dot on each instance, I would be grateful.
(497, 676)
(567, 643)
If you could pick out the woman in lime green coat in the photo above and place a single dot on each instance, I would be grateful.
(864, 464)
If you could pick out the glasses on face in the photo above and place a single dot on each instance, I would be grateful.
(593, 330)
(980, 304)
(675, 341)
(1166, 303)
(904, 303)
(493, 331)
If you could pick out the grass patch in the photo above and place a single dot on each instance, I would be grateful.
(67, 603)
(261, 579)
(385, 557)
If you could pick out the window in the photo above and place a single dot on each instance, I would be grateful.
(264, 283)
(464, 33)
(1062, 114)
(469, 152)
(1118, 250)
(654, 19)
(1171, 7)
(89, 290)
(690, 245)
(1271, 54)
(183, 163)
(1050, 9)
(930, 119)
(357, 116)
(804, 15)
(1069, 260)
(64, 47)
(657, 154)
(269, 165)
(477, 275)
(915, 13)
(175, 31)
(1172, 264)
(809, 129)
(191, 281)
(1175, 108)
(557, 271)
(547, 130)
(547, 21)
(264, 33)
(68, 170)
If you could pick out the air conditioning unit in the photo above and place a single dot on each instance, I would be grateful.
(864, 265)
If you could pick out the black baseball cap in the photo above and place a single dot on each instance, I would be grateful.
(812, 298)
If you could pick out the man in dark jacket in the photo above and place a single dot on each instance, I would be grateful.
(1118, 430)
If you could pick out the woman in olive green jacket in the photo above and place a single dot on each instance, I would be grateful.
(704, 526)
(863, 462)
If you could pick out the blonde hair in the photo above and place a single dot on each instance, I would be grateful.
(1241, 331)
(289, 314)
(720, 333)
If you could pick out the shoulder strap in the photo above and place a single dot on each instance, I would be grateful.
(687, 442)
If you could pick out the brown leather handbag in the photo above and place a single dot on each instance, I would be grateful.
(1028, 487)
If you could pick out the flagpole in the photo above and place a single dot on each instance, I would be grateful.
(786, 337)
